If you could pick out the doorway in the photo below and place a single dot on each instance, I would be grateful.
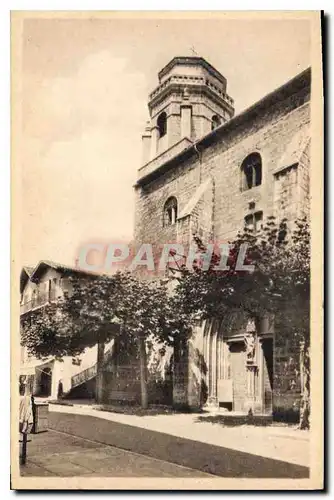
(46, 382)
(238, 374)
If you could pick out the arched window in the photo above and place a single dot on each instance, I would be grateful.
(215, 122)
(162, 124)
(170, 211)
(251, 171)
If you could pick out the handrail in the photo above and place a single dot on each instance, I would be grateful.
(87, 373)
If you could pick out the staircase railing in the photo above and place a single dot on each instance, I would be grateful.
(88, 373)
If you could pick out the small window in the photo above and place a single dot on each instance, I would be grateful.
(251, 171)
(215, 122)
(162, 124)
(254, 222)
(170, 211)
(76, 361)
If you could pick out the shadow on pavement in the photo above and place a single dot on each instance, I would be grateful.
(211, 459)
(236, 420)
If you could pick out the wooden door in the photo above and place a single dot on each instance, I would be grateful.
(238, 374)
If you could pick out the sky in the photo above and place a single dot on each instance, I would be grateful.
(85, 85)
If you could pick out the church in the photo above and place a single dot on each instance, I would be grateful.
(208, 172)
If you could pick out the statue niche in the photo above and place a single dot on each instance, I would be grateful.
(250, 343)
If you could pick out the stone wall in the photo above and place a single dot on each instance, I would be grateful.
(222, 160)
(287, 387)
(267, 128)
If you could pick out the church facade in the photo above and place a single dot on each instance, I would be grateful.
(209, 172)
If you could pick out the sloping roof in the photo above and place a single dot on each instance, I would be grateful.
(28, 269)
(40, 267)
(295, 148)
(195, 198)
(32, 273)
(189, 61)
(25, 274)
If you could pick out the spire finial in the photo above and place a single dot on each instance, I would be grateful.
(193, 51)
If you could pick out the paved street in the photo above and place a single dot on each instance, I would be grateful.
(56, 454)
(282, 443)
(89, 446)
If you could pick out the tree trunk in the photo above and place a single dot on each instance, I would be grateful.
(304, 419)
(143, 373)
(99, 372)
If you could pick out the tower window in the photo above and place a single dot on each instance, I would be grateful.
(251, 171)
(254, 222)
(170, 211)
(162, 124)
(215, 122)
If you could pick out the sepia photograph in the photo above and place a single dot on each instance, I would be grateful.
(167, 250)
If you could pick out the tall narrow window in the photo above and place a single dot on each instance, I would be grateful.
(170, 211)
(215, 122)
(162, 124)
(251, 171)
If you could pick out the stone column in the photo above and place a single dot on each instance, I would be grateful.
(146, 144)
(154, 141)
(99, 372)
(252, 369)
(214, 365)
(251, 343)
(186, 121)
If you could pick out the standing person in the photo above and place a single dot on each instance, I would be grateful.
(26, 421)
(60, 390)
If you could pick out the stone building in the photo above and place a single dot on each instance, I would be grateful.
(208, 172)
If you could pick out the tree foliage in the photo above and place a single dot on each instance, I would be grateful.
(73, 322)
(278, 286)
(96, 310)
(99, 308)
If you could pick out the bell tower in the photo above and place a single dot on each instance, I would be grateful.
(189, 102)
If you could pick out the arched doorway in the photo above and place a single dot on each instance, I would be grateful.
(46, 382)
(236, 380)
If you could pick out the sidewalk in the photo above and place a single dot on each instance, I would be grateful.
(279, 443)
(54, 454)
(162, 446)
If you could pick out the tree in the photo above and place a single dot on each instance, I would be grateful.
(46, 332)
(278, 286)
(140, 309)
(96, 310)
(81, 318)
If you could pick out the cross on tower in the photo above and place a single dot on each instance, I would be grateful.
(192, 48)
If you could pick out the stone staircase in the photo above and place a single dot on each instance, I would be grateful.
(89, 373)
